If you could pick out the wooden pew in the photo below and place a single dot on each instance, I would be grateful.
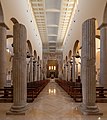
(74, 89)
(33, 89)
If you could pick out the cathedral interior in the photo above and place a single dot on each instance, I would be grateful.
(53, 59)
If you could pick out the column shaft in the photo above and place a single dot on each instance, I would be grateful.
(31, 69)
(19, 69)
(103, 56)
(88, 68)
(2, 56)
(37, 71)
(28, 70)
(73, 70)
(76, 71)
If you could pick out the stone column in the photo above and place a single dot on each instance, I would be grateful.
(103, 54)
(19, 70)
(69, 71)
(76, 71)
(28, 70)
(31, 69)
(73, 70)
(37, 71)
(88, 77)
(34, 70)
(64, 72)
(40, 72)
(2, 55)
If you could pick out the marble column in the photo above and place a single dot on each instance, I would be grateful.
(73, 70)
(88, 106)
(31, 69)
(19, 70)
(103, 54)
(2, 55)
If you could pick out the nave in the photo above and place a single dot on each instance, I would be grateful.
(53, 103)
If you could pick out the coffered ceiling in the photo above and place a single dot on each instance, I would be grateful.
(53, 18)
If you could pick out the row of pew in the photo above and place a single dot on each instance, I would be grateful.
(33, 90)
(74, 89)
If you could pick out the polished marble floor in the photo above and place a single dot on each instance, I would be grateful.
(53, 103)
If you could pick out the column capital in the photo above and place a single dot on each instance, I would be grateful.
(2, 24)
(102, 25)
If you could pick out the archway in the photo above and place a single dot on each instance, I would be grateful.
(70, 55)
(35, 54)
(29, 62)
(97, 42)
(76, 67)
(29, 48)
(35, 66)
(70, 66)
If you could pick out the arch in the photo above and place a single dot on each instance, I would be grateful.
(76, 47)
(105, 14)
(97, 30)
(35, 54)
(38, 58)
(29, 46)
(1, 14)
(70, 54)
(14, 20)
(66, 59)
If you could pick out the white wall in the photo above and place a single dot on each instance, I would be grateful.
(20, 10)
(87, 9)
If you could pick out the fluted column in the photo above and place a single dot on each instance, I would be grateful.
(103, 54)
(2, 55)
(31, 69)
(88, 68)
(19, 69)
(73, 70)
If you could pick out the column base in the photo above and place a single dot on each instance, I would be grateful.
(17, 110)
(89, 110)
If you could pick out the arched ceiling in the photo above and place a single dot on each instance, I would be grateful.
(53, 18)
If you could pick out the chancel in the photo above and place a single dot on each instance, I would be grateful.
(53, 59)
